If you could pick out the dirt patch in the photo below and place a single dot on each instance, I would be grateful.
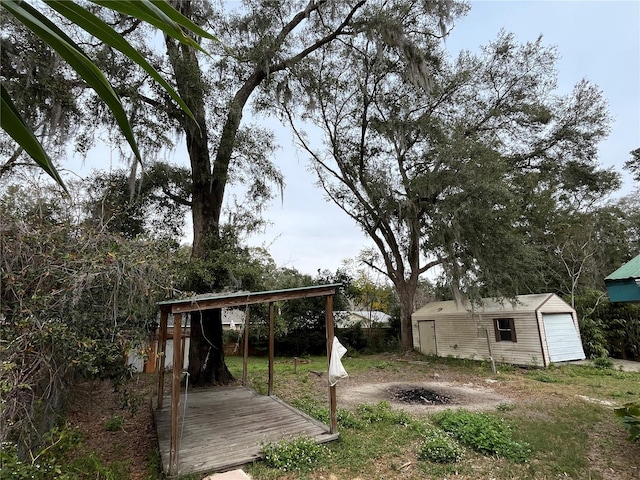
(411, 397)
(96, 403)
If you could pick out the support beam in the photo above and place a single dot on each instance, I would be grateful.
(238, 299)
(245, 350)
(162, 355)
(272, 316)
(175, 393)
(333, 417)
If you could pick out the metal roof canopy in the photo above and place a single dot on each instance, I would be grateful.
(623, 285)
(213, 301)
(631, 269)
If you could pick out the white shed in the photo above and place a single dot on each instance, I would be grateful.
(528, 330)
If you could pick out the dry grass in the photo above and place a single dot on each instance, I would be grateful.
(570, 437)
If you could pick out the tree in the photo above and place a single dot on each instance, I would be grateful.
(633, 164)
(271, 40)
(458, 176)
(267, 40)
(153, 207)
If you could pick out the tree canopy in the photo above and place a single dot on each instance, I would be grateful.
(457, 173)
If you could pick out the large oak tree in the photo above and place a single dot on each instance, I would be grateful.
(454, 165)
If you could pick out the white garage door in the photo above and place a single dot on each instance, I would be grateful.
(563, 340)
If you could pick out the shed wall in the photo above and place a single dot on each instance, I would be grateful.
(554, 304)
(460, 336)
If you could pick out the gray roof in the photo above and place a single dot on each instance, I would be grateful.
(520, 303)
(348, 318)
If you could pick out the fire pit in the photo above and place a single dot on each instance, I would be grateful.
(421, 397)
(418, 396)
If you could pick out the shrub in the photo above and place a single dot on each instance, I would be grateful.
(630, 415)
(602, 362)
(44, 464)
(439, 447)
(484, 433)
(300, 454)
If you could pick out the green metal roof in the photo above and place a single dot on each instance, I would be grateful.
(631, 269)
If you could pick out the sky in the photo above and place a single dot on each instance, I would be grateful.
(596, 40)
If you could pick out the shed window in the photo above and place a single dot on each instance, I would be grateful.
(505, 329)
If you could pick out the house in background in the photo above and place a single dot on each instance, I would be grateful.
(529, 330)
(366, 318)
(232, 319)
(623, 285)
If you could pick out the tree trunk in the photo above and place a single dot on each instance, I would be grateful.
(206, 355)
(406, 329)
(406, 293)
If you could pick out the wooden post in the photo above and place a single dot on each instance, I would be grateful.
(183, 342)
(245, 353)
(493, 363)
(272, 336)
(175, 393)
(333, 417)
(162, 355)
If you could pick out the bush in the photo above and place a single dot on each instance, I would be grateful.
(602, 362)
(484, 433)
(300, 454)
(44, 464)
(630, 415)
(439, 447)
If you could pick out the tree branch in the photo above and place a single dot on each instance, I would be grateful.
(320, 43)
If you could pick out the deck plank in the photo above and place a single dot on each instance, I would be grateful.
(224, 428)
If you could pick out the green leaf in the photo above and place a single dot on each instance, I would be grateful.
(76, 58)
(12, 123)
(102, 31)
(162, 16)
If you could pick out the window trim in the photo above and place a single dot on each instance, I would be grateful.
(512, 330)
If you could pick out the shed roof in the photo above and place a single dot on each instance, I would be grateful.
(631, 269)
(521, 303)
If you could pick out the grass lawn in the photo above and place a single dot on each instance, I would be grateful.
(558, 421)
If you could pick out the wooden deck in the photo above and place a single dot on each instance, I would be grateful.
(224, 428)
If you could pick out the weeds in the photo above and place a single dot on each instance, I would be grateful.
(114, 424)
(482, 432)
(300, 454)
(630, 415)
(438, 447)
(541, 376)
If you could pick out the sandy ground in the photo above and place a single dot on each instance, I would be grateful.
(470, 396)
